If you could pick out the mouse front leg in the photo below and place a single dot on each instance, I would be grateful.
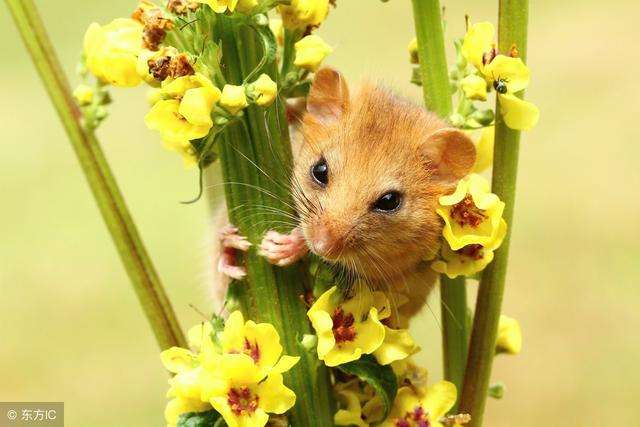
(283, 249)
(230, 243)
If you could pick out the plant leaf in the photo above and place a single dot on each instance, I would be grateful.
(199, 419)
(381, 378)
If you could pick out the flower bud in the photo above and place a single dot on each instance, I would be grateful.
(497, 390)
(233, 98)
(83, 94)
(413, 51)
(509, 336)
(474, 87)
(263, 90)
(309, 342)
(310, 52)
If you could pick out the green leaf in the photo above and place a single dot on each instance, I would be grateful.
(199, 419)
(381, 378)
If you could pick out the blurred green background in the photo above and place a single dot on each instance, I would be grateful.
(71, 328)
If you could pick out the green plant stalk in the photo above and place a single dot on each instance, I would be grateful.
(133, 254)
(512, 29)
(260, 141)
(455, 338)
(433, 59)
(437, 97)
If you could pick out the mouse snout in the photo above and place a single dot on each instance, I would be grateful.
(325, 241)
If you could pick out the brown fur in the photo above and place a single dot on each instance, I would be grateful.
(375, 142)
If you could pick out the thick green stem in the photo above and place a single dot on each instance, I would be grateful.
(259, 142)
(437, 97)
(455, 337)
(433, 59)
(512, 29)
(132, 252)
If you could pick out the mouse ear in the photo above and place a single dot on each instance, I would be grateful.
(451, 152)
(329, 96)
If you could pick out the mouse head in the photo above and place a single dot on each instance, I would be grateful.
(369, 174)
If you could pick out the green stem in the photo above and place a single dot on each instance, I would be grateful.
(433, 60)
(271, 294)
(455, 337)
(132, 252)
(437, 97)
(512, 28)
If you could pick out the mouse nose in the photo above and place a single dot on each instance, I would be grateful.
(324, 241)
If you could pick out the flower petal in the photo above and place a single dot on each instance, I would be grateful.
(477, 42)
(397, 345)
(439, 398)
(177, 359)
(285, 363)
(517, 113)
(275, 397)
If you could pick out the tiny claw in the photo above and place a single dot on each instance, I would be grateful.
(231, 239)
(283, 249)
(232, 242)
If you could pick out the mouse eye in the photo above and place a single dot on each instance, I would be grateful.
(320, 172)
(388, 202)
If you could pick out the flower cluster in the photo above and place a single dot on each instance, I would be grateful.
(349, 328)
(415, 404)
(473, 227)
(479, 69)
(236, 371)
(505, 73)
(173, 48)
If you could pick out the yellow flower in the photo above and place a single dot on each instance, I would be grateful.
(246, 6)
(263, 90)
(509, 336)
(348, 329)
(303, 13)
(238, 373)
(111, 51)
(275, 24)
(484, 150)
(197, 96)
(397, 345)
(233, 98)
(472, 214)
(474, 87)
(506, 74)
(310, 52)
(358, 404)
(220, 6)
(186, 115)
(243, 398)
(421, 407)
(413, 51)
(259, 341)
(179, 406)
(351, 411)
(83, 94)
(165, 117)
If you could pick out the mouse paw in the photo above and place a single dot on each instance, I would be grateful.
(283, 249)
(231, 244)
